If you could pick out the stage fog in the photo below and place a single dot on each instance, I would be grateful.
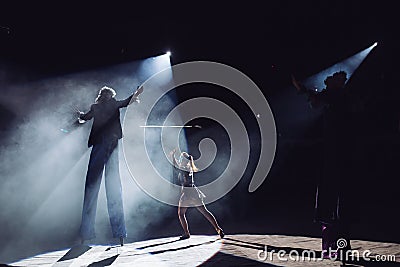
(44, 156)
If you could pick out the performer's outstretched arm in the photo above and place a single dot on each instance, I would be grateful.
(173, 159)
(316, 99)
(192, 165)
(86, 116)
(134, 96)
(299, 86)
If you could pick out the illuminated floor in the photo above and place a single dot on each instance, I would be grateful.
(233, 250)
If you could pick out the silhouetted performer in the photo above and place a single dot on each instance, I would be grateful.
(190, 194)
(104, 135)
(332, 207)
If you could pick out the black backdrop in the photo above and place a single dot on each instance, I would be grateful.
(267, 42)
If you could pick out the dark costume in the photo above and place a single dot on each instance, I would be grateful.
(191, 196)
(105, 133)
(332, 207)
(190, 193)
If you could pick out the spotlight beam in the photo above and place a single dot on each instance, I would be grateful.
(349, 65)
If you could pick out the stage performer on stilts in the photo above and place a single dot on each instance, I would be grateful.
(104, 135)
(333, 209)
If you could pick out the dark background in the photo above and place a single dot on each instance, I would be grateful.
(267, 42)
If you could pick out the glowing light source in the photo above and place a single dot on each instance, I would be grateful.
(168, 53)
(349, 65)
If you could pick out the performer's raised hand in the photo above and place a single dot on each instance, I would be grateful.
(78, 114)
(139, 90)
(296, 83)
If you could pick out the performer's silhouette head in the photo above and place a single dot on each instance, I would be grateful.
(184, 158)
(336, 80)
(105, 93)
(186, 161)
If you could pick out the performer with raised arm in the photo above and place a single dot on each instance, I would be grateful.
(333, 209)
(190, 196)
(104, 135)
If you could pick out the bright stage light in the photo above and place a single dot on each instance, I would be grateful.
(168, 53)
(349, 65)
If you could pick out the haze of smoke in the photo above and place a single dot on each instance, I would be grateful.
(44, 161)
